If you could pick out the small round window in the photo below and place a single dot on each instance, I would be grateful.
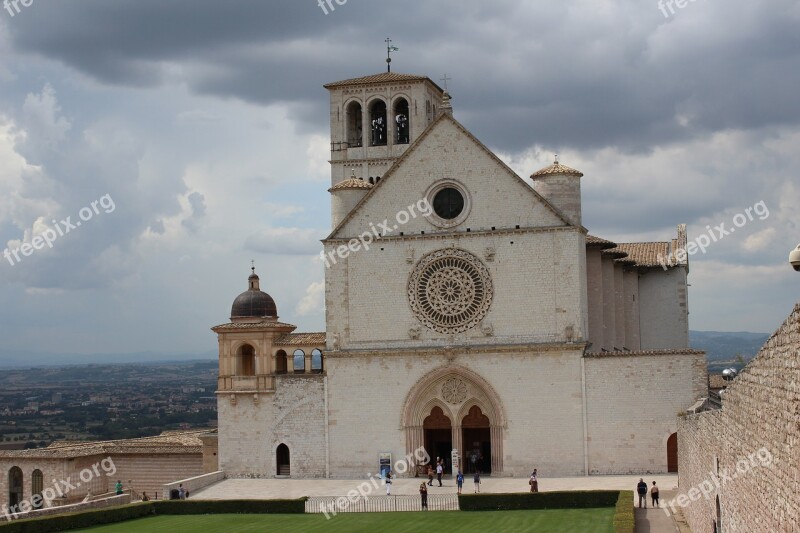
(448, 203)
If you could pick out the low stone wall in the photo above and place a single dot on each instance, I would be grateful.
(740, 465)
(114, 501)
(193, 484)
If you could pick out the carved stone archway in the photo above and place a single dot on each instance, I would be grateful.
(455, 389)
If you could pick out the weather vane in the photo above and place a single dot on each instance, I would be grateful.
(389, 50)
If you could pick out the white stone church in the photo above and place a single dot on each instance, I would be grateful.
(489, 326)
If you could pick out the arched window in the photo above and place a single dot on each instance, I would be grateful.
(283, 460)
(37, 486)
(316, 361)
(15, 483)
(299, 361)
(371, 180)
(246, 361)
(402, 121)
(378, 125)
(354, 123)
(280, 362)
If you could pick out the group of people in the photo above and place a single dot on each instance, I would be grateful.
(641, 490)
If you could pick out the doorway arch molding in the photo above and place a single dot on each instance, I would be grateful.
(472, 390)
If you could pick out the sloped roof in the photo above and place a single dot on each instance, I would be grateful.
(644, 353)
(301, 339)
(383, 77)
(556, 168)
(351, 183)
(168, 442)
(252, 325)
(647, 254)
(591, 240)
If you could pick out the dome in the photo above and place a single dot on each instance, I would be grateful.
(254, 303)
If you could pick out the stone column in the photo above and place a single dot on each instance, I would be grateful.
(415, 439)
(458, 444)
(497, 449)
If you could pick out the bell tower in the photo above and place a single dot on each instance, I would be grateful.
(374, 119)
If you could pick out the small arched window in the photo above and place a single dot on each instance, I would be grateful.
(378, 124)
(246, 361)
(15, 484)
(354, 124)
(402, 121)
(280, 362)
(316, 361)
(37, 486)
(299, 361)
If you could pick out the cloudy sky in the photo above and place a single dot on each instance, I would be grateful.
(205, 124)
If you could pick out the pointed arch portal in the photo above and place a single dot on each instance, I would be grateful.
(455, 408)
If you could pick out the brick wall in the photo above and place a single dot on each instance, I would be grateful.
(760, 410)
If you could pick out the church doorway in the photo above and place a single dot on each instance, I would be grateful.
(438, 437)
(477, 441)
(672, 453)
(284, 462)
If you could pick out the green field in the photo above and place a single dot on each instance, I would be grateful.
(550, 521)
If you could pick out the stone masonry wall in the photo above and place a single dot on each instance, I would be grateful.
(760, 411)
(632, 406)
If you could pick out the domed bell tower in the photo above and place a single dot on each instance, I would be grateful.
(246, 364)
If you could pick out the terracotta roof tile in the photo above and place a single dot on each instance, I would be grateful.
(556, 168)
(647, 254)
(383, 77)
(301, 339)
(643, 353)
(252, 325)
(351, 183)
(591, 240)
(173, 442)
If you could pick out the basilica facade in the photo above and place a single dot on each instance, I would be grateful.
(468, 312)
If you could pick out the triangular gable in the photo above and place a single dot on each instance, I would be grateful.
(415, 146)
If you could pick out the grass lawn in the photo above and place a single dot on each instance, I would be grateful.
(549, 521)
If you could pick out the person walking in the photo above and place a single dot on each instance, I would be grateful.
(118, 487)
(641, 490)
(460, 481)
(430, 476)
(534, 481)
(477, 480)
(389, 483)
(654, 494)
(181, 492)
(439, 472)
(423, 493)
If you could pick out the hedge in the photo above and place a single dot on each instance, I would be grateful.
(624, 521)
(79, 520)
(538, 500)
(112, 515)
(180, 507)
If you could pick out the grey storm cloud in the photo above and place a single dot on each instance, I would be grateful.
(558, 74)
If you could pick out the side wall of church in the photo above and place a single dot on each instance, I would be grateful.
(664, 319)
(747, 452)
(540, 394)
(250, 431)
(633, 403)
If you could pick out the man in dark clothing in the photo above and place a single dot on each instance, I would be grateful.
(641, 490)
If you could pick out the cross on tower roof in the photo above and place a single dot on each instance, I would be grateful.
(445, 79)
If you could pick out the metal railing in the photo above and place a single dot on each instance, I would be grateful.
(381, 504)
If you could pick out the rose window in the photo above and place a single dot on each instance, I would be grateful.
(450, 291)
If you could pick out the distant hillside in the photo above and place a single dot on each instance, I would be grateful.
(725, 345)
(31, 359)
